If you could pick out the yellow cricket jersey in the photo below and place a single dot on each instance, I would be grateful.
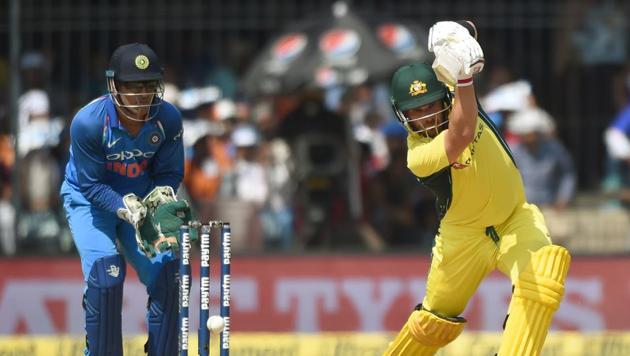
(482, 189)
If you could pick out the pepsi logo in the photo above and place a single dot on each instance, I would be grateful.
(326, 77)
(397, 37)
(289, 46)
(339, 43)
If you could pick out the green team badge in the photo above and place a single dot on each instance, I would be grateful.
(142, 62)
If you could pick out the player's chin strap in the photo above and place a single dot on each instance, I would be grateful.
(404, 120)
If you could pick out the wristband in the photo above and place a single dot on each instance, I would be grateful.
(464, 82)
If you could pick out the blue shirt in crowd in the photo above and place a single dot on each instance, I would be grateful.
(548, 173)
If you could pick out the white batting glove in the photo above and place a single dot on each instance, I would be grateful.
(445, 32)
(456, 62)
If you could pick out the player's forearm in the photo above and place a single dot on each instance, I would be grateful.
(102, 196)
(463, 119)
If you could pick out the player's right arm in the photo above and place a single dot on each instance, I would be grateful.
(458, 56)
(86, 136)
(462, 123)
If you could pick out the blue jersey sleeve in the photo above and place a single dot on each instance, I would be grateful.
(89, 159)
(168, 164)
(622, 121)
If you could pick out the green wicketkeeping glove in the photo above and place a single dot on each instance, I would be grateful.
(150, 237)
(158, 196)
(165, 214)
(171, 216)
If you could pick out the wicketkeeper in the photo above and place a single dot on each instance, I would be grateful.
(486, 223)
(126, 163)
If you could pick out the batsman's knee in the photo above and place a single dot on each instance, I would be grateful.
(424, 333)
(543, 280)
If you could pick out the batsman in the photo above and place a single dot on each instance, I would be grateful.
(126, 163)
(485, 221)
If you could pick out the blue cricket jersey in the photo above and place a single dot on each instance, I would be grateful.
(106, 162)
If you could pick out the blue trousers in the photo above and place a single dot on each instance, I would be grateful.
(98, 233)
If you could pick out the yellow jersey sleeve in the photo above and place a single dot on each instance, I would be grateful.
(426, 156)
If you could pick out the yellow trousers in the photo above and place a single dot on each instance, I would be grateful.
(463, 256)
(521, 248)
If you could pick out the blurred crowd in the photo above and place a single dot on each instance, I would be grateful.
(312, 169)
(315, 169)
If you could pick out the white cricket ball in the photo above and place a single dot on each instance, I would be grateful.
(215, 324)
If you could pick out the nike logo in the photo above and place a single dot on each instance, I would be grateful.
(112, 143)
(179, 135)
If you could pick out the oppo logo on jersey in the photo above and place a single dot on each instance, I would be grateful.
(125, 155)
(130, 170)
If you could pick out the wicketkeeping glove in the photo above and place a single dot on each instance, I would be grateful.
(158, 196)
(169, 217)
(168, 214)
(135, 213)
(149, 237)
(159, 231)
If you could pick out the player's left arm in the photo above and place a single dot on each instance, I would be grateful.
(168, 163)
(167, 214)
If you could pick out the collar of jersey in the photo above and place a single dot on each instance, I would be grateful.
(110, 107)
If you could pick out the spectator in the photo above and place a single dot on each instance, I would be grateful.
(7, 211)
(546, 168)
(616, 137)
(39, 225)
(277, 214)
(401, 210)
(247, 180)
(317, 138)
(506, 99)
(34, 125)
(203, 174)
(544, 163)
